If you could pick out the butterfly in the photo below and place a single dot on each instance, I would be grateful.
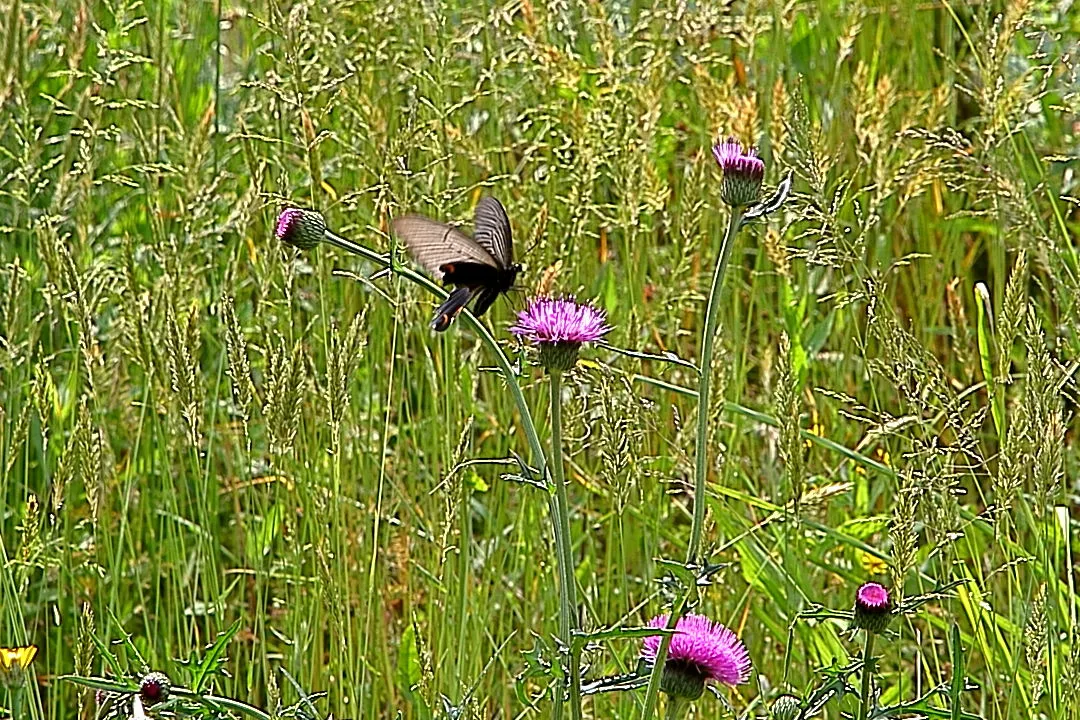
(481, 266)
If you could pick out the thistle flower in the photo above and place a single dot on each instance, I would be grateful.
(155, 688)
(700, 652)
(559, 326)
(13, 664)
(303, 229)
(743, 173)
(873, 608)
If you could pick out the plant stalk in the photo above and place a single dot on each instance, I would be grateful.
(567, 586)
(701, 452)
(676, 709)
(867, 671)
(712, 309)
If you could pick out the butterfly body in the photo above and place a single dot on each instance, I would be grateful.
(480, 267)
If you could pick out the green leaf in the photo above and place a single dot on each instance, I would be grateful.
(408, 663)
(214, 657)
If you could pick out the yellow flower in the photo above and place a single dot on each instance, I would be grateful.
(13, 661)
(872, 563)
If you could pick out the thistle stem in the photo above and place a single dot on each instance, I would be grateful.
(676, 708)
(701, 452)
(657, 674)
(567, 587)
(712, 309)
(867, 670)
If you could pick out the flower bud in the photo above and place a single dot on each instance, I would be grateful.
(743, 173)
(873, 608)
(786, 707)
(303, 229)
(155, 688)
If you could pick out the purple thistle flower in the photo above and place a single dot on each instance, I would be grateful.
(873, 607)
(559, 326)
(743, 172)
(303, 229)
(701, 651)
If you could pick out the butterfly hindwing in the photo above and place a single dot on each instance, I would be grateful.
(484, 299)
(450, 308)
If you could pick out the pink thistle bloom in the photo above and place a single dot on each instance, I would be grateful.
(873, 607)
(560, 320)
(559, 326)
(743, 172)
(701, 651)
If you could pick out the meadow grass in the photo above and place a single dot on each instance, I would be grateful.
(203, 431)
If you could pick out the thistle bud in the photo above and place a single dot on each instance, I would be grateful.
(786, 707)
(873, 608)
(303, 229)
(743, 173)
(155, 688)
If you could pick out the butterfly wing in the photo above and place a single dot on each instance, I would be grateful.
(435, 244)
(492, 230)
(484, 300)
(450, 308)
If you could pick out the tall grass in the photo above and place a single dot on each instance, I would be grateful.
(199, 427)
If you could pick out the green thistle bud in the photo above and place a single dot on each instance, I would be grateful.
(786, 707)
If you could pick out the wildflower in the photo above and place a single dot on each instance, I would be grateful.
(154, 688)
(559, 326)
(743, 173)
(785, 707)
(303, 229)
(873, 607)
(700, 652)
(13, 663)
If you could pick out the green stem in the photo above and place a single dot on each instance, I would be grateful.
(567, 587)
(653, 691)
(712, 308)
(867, 671)
(676, 708)
(712, 311)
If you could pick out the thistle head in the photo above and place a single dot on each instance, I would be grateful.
(743, 172)
(873, 608)
(303, 229)
(559, 327)
(154, 688)
(785, 707)
(700, 652)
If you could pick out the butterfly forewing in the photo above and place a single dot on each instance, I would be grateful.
(435, 244)
(492, 230)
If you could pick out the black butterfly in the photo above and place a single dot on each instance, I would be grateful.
(481, 266)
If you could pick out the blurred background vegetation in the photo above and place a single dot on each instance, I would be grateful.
(200, 427)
